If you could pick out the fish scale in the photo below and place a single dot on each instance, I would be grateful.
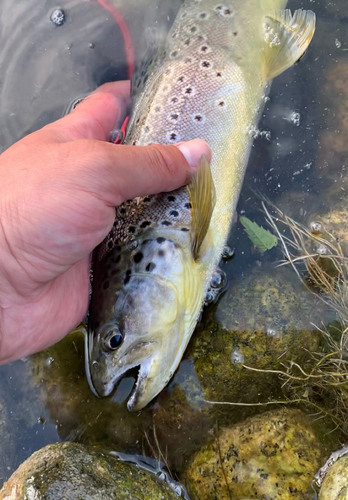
(209, 79)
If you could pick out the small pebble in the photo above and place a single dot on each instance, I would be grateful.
(58, 17)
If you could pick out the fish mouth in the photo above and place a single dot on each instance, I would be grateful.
(107, 388)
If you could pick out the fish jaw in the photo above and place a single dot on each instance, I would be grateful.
(154, 337)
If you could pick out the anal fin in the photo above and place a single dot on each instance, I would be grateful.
(286, 37)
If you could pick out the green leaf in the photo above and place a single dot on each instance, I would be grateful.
(260, 237)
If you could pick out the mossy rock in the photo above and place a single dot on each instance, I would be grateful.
(335, 483)
(72, 471)
(273, 456)
(262, 322)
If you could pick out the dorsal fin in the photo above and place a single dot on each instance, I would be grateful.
(286, 37)
(202, 197)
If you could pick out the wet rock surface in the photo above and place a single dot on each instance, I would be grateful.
(73, 471)
(272, 456)
(335, 483)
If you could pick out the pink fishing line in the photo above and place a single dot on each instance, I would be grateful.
(128, 44)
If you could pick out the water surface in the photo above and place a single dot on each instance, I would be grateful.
(294, 160)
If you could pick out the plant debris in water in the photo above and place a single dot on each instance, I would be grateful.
(260, 237)
(326, 273)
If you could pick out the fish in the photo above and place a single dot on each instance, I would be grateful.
(208, 79)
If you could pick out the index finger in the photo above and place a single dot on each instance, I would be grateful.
(96, 116)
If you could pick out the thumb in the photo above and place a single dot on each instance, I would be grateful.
(121, 172)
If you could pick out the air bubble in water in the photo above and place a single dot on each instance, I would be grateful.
(236, 356)
(227, 253)
(338, 43)
(322, 249)
(316, 227)
(58, 17)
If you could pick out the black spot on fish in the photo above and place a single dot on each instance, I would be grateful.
(193, 29)
(150, 267)
(198, 118)
(219, 7)
(174, 117)
(166, 223)
(184, 229)
(160, 240)
(203, 15)
(188, 205)
(174, 99)
(134, 143)
(205, 64)
(145, 224)
(172, 136)
(147, 199)
(174, 213)
(171, 198)
(161, 253)
(188, 90)
(227, 12)
(174, 53)
(131, 229)
(127, 277)
(138, 257)
(110, 244)
(187, 42)
(106, 285)
(221, 103)
(219, 74)
(181, 79)
(204, 48)
(235, 33)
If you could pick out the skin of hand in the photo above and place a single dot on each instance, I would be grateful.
(58, 190)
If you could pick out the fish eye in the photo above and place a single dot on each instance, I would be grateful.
(113, 338)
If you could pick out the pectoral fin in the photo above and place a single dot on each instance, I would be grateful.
(287, 37)
(202, 198)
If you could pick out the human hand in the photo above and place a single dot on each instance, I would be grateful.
(58, 190)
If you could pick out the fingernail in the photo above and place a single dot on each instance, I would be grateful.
(193, 151)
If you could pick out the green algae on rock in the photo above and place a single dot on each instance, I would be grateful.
(73, 471)
(273, 456)
(261, 322)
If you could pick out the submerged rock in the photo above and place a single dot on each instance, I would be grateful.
(73, 471)
(271, 456)
(262, 322)
(335, 482)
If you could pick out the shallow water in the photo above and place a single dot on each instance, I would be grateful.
(43, 69)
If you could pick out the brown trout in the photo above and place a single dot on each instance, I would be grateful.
(151, 273)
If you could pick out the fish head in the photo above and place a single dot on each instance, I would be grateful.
(146, 322)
